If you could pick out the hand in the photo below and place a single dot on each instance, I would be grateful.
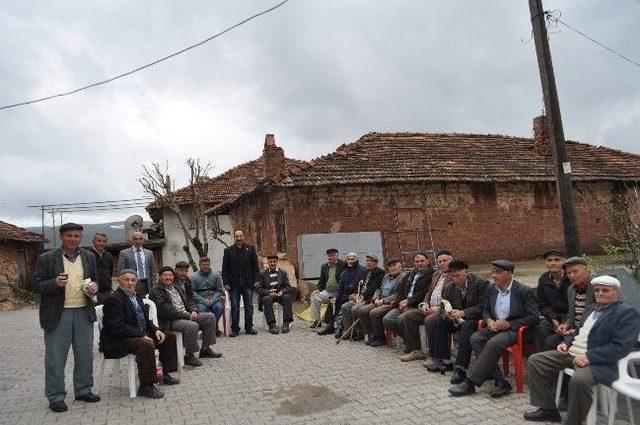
(147, 338)
(279, 294)
(227, 287)
(377, 303)
(491, 324)
(273, 294)
(256, 285)
(403, 304)
(425, 309)
(61, 281)
(562, 349)
(333, 301)
(561, 328)
(207, 302)
(581, 361)
(160, 336)
(194, 315)
(457, 314)
(502, 325)
(93, 289)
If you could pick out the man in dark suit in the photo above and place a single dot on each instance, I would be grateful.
(104, 265)
(553, 303)
(467, 296)
(142, 261)
(126, 328)
(509, 306)
(327, 289)
(607, 332)
(275, 288)
(240, 275)
(66, 279)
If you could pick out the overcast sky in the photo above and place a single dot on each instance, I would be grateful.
(315, 73)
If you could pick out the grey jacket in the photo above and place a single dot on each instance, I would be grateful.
(387, 277)
(127, 260)
(48, 267)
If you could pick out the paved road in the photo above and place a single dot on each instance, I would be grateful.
(295, 378)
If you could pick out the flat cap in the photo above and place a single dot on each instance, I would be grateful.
(332, 251)
(393, 261)
(70, 226)
(372, 256)
(575, 260)
(606, 280)
(505, 265)
(551, 252)
(272, 257)
(457, 265)
(128, 271)
(182, 265)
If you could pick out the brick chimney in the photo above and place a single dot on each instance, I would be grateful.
(541, 139)
(273, 162)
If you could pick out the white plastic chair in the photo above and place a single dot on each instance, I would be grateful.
(130, 358)
(277, 311)
(608, 400)
(627, 385)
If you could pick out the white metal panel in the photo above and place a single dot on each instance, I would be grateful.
(312, 249)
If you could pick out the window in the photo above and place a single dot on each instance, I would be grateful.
(281, 236)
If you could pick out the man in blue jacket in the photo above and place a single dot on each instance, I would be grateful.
(350, 279)
(608, 332)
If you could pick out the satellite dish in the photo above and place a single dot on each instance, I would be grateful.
(132, 224)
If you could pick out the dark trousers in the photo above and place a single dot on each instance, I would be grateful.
(144, 350)
(142, 288)
(247, 298)
(374, 325)
(488, 346)
(287, 311)
(442, 329)
(546, 337)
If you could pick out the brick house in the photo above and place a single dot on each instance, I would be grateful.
(482, 196)
(19, 249)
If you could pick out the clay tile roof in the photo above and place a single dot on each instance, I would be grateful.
(229, 185)
(10, 232)
(419, 157)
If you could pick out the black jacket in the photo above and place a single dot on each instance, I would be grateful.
(552, 301)
(324, 274)
(104, 267)
(372, 285)
(265, 282)
(240, 264)
(523, 308)
(48, 267)
(475, 300)
(119, 322)
(419, 291)
(167, 313)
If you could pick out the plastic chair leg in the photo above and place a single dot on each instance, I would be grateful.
(612, 403)
(592, 416)
(518, 370)
(132, 375)
(559, 387)
(423, 340)
(388, 334)
(180, 349)
(505, 361)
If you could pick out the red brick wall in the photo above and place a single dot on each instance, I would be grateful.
(477, 221)
(11, 256)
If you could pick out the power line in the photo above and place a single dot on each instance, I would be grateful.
(148, 65)
(554, 16)
(94, 202)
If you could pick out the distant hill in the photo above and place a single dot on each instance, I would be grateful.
(113, 230)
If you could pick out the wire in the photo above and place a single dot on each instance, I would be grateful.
(554, 16)
(148, 65)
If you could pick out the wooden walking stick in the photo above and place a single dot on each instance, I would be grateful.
(348, 330)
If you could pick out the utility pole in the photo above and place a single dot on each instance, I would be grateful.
(552, 108)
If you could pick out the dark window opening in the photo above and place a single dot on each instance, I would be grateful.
(281, 236)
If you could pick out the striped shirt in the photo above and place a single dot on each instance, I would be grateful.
(580, 304)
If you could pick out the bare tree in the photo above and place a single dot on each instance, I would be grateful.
(154, 183)
(624, 240)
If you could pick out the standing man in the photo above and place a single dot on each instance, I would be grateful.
(208, 290)
(104, 264)
(551, 294)
(608, 332)
(64, 278)
(327, 288)
(275, 288)
(509, 306)
(142, 261)
(240, 275)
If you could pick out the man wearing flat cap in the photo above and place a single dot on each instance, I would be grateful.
(509, 306)
(327, 288)
(551, 294)
(579, 294)
(182, 279)
(66, 280)
(275, 288)
(607, 332)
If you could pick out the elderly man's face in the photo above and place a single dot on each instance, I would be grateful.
(127, 282)
(371, 264)
(205, 266)
(394, 268)
(421, 262)
(606, 294)
(70, 240)
(238, 237)
(181, 272)
(332, 257)
(443, 262)
(137, 239)
(272, 263)
(459, 277)
(351, 260)
(554, 263)
(99, 242)
(578, 274)
(501, 277)
(167, 277)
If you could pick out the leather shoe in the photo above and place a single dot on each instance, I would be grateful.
(327, 330)
(58, 406)
(285, 328)
(378, 342)
(543, 415)
(251, 332)
(357, 337)
(233, 334)
(273, 330)
(338, 334)
(314, 325)
(465, 388)
(501, 388)
(209, 353)
(169, 380)
(458, 376)
(440, 367)
(89, 398)
(150, 391)
(192, 361)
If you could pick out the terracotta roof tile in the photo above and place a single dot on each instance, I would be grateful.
(15, 233)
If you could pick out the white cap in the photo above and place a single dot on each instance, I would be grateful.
(606, 280)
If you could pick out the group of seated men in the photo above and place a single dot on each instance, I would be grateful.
(575, 321)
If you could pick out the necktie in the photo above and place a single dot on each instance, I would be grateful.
(139, 266)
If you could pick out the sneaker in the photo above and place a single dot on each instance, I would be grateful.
(150, 391)
(209, 353)
(192, 361)
(413, 355)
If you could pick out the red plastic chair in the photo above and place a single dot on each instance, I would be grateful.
(388, 336)
(517, 351)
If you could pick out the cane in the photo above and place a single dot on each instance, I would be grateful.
(348, 331)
